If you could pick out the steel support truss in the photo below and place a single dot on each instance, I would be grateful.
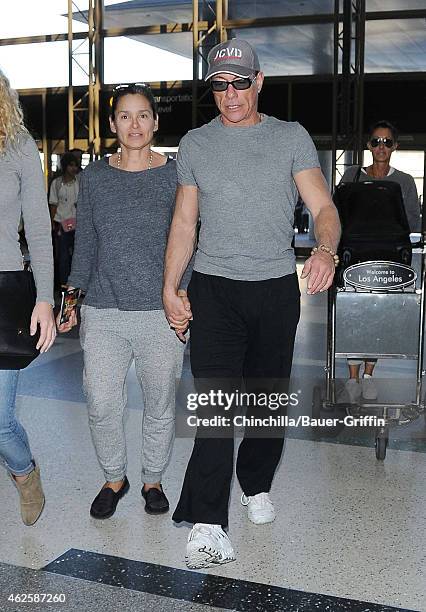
(348, 85)
(204, 37)
(83, 111)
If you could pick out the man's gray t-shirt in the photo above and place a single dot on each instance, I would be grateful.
(247, 195)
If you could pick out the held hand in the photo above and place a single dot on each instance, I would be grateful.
(177, 309)
(181, 329)
(180, 332)
(66, 327)
(43, 315)
(186, 303)
(319, 269)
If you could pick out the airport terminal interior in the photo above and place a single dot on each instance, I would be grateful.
(349, 533)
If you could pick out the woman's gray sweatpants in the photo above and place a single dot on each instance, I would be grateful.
(111, 339)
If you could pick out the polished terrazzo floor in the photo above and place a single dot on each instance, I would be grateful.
(349, 533)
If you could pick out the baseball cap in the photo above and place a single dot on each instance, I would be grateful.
(233, 57)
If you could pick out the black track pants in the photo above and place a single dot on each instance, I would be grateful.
(241, 330)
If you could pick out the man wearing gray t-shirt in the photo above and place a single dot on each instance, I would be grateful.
(240, 175)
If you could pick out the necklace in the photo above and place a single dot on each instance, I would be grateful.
(119, 159)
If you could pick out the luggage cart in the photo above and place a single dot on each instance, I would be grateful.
(385, 303)
(376, 308)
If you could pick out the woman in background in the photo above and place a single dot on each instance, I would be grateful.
(382, 142)
(23, 193)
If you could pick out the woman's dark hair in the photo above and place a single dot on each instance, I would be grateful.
(134, 88)
(386, 125)
(66, 160)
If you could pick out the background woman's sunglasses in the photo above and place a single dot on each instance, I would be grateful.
(237, 84)
(388, 142)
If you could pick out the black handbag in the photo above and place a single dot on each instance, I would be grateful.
(17, 300)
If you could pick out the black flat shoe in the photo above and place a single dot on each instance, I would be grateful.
(155, 501)
(106, 501)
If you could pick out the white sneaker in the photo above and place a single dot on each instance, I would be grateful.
(353, 390)
(260, 509)
(208, 545)
(369, 389)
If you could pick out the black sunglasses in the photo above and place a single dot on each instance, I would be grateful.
(388, 142)
(125, 86)
(239, 84)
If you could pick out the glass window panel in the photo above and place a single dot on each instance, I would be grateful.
(40, 65)
(128, 13)
(162, 57)
(395, 46)
(291, 50)
(85, 160)
(80, 64)
(252, 9)
(394, 5)
(55, 162)
(31, 18)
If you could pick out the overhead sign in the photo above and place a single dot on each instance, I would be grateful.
(379, 275)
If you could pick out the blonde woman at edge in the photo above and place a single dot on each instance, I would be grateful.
(23, 193)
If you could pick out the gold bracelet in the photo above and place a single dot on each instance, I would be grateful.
(325, 249)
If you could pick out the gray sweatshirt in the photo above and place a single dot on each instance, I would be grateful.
(22, 191)
(123, 219)
(408, 188)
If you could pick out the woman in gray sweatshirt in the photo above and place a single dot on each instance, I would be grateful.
(23, 193)
(382, 142)
(124, 211)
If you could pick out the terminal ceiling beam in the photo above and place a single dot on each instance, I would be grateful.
(227, 24)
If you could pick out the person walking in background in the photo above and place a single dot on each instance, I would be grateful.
(78, 154)
(63, 198)
(382, 142)
(23, 193)
(123, 217)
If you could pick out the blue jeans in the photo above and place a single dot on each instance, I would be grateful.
(65, 252)
(14, 446)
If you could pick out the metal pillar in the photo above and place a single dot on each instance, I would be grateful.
(70, 80)
(83, 114)
(423, 209)
(348, 84)
(202, 43)
(95, 74)
(195, 61)
(359, 82)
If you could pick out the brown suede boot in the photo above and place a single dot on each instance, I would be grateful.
(31, 497)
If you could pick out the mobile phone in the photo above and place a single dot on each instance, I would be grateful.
(68, 304)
